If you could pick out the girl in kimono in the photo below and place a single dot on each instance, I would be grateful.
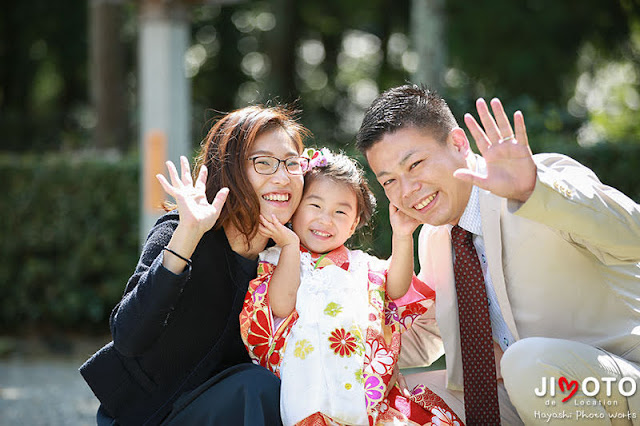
(326, 319)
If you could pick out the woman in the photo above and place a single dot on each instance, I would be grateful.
(177, 356)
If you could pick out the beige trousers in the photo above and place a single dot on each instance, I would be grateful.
(529, 396)
(607, 387)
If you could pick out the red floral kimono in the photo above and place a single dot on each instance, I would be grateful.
(336, 352)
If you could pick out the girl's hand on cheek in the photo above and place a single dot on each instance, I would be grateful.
(279, 233)
(401, 224)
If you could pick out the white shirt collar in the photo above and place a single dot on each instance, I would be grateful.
(470, 219)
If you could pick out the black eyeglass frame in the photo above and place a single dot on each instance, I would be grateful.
(303, 160)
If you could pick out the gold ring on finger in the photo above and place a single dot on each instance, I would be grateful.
(508, 138)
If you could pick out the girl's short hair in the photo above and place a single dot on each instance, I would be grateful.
(225, 150)
(343, 169)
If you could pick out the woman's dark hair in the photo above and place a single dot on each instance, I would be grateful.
(224, 152)
(343, 169)
(405, 106)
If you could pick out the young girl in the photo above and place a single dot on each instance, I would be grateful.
(325, 319)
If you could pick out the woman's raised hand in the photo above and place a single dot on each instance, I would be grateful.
(196, 213)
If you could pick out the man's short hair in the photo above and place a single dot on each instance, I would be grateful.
(405, 106)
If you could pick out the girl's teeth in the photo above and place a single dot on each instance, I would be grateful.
(322, 234)
(425, 203)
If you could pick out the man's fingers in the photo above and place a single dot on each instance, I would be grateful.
(471, 177)
(521, 129)
(489, 124)
(482, 141)
(501, 118)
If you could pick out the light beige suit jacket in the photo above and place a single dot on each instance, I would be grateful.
(565, 264)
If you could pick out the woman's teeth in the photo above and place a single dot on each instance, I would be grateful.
(425, 202)
(276, 197)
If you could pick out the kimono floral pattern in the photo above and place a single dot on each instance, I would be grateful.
(380, 343)
(378, 358)
(302, 349)
(342, 342)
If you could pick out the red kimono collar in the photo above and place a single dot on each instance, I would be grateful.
(338, 257)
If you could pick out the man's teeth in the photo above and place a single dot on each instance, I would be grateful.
(320, 233)
(424, 203)
(276, 197)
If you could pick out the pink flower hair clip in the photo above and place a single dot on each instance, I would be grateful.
(317, 158)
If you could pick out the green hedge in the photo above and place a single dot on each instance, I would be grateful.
(69, 234)
(69, 239)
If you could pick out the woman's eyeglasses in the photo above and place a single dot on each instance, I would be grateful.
(268, 165)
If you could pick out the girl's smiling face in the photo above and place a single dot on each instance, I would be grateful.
(327, 215)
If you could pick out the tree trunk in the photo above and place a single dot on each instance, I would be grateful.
(427, 34)
(107, 75)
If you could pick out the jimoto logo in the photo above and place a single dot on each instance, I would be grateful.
(590, 386)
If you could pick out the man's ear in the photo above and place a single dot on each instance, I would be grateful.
(458, 140)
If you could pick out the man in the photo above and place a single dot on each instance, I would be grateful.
(556, 253)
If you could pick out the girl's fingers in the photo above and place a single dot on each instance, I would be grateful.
(266, 223)
(275, 221)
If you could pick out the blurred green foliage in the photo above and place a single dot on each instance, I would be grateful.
(69, 239)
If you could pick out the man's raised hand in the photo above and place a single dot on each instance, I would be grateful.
(511, 171)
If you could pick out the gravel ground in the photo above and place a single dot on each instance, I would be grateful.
(40, 383)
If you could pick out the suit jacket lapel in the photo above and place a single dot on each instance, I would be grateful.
(490, 212)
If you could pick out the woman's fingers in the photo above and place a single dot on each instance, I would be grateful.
(186, 171)
(173, 174)
(219, 200)
(201, 182)
(165, 185)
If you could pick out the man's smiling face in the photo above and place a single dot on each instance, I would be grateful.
(416, 172)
